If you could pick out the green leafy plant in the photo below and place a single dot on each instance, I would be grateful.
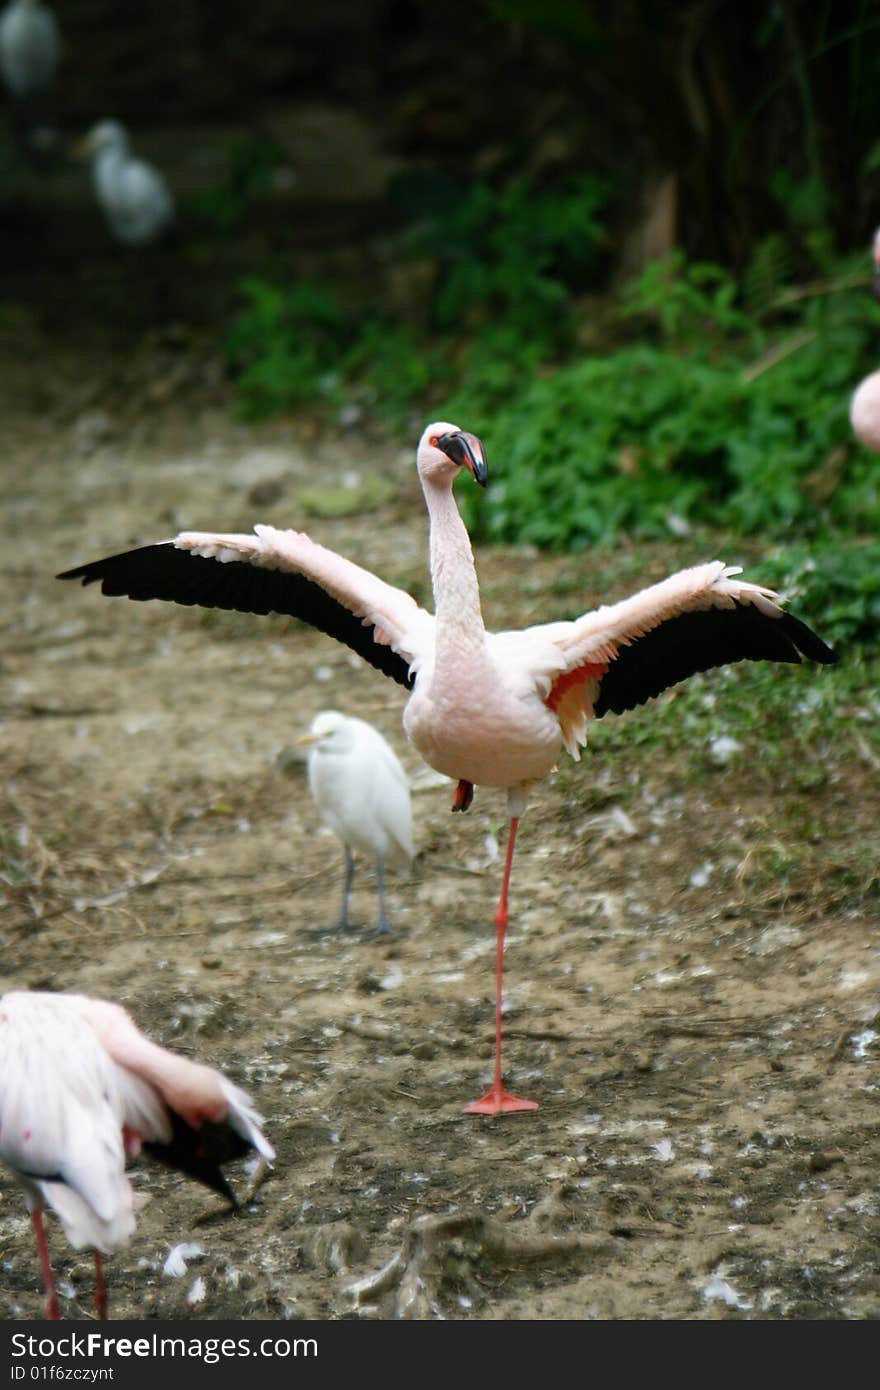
(251, 163)
(691, 426)
(514, 256)
(837, 580)
(688, 300)
(285, 346)
(503, 303)
(711, 405)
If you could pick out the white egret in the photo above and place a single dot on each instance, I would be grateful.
(30, 49)
(362, 793)
(133, 194)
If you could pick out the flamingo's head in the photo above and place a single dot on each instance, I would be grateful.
(444, 449)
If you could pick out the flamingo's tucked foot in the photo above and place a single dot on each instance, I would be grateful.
(101, 1299)
(497, 1101)
(464, 795)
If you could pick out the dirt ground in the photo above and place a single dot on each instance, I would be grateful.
(696, 1024)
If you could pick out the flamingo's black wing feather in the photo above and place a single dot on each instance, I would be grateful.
(698, 641)
(200, 1153)
(163, 571)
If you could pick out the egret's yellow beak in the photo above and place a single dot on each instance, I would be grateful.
(305, 739)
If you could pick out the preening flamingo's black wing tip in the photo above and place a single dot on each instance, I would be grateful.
(164, 572)
(200, 1153)
(700, 641)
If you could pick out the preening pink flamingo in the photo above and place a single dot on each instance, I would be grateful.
(82, 1090)
(864, 410)
(487, 708)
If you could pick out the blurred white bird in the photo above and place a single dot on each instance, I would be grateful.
(362, 793)
(133, 194)
(30, 48)
(82, 1090)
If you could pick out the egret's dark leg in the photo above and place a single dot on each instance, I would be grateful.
(497, 1101)
(383, 926)
(100, 1288)
(342, 924)
(52, 1312)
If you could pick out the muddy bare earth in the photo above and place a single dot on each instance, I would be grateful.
(693, 961)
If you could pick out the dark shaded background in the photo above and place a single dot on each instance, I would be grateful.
(692, 112)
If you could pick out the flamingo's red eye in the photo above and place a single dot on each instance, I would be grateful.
(434, 441)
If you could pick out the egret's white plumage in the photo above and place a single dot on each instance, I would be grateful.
(30, 47)
(81, 1089)
(133, 194)
(491, 708)
(362, 793)
(864, 410)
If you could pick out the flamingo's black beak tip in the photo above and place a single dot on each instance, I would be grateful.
(467, 451)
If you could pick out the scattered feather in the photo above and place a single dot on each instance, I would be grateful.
(175, 1263)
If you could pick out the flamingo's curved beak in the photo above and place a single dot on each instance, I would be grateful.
(467, 451)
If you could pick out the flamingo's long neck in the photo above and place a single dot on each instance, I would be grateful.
(453, 576)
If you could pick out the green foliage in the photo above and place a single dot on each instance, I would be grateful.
(688, 301)
(768, 270)
(713, 404)
(691, 425)
(805, 200)
(388, 368)
(285, 346)
(250, 166)
(514, 256)
(837, 581)
(570, 20)
(503, 304)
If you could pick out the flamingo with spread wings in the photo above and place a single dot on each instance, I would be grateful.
(487, 708)
(81, 1091)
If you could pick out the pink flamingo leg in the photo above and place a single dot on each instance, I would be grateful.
(497, 1101)
(100, 1288)
(48, 1282)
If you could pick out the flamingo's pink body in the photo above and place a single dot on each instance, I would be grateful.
(864, 410)
(493, 709)
(81, 1090)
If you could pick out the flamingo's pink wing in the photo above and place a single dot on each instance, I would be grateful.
(275, 571)
(625, 653)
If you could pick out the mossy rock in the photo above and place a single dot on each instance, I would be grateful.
(365, 496)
